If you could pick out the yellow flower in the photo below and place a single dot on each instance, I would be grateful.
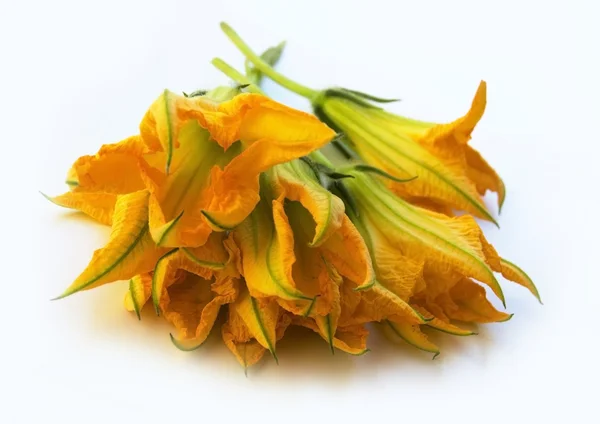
(428, 260)
(206, 158)
(253, 327)
(193, 169)
(188, 287)
(298, 245)
(451, 174)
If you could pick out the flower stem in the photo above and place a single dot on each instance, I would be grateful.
(319, 157)
(264, 67)
(235, 75)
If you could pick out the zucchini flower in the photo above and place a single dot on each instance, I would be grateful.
(451, 174)
(298, 247)
(192, 170)
(427, 259)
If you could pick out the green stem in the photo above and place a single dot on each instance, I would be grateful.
(319, 157)
(235, 75)
(264, 67)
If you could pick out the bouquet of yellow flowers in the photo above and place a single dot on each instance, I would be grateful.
(223, 203)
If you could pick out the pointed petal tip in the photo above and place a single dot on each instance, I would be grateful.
(181, 347)
(63, 295)
(166, 232)
(425, 319)
(366, 286)
(274, 354)
(213, 223)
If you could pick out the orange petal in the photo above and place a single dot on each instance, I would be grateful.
(100, 206)
(114, 169)
(130, 250)
(192, 307)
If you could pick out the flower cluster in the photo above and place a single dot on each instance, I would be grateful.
(222, 204)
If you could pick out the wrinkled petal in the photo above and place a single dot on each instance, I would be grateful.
(379, 303)
(204, 261)
(260, 316)
(266, 241)
(441, 325)
(449, 143)
(508, 270)
(394, 270)
(138, 293)
(467, 302)
(313, 274)
(351, 339)
(296, 181)
(448, 245)
(239, 340)
(193, 305)
(99, 206)
(114, 169)
(130, 250)
(328, 324)
(177, 199)
(224, 195)
(347, 252)
(451, 174)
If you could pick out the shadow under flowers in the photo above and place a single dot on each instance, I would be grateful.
(303, 355)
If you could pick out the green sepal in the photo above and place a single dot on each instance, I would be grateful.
(370, 97)
(348, 95)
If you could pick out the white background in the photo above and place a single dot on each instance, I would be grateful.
(78, 74)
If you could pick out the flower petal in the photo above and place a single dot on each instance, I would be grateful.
(350, 339)
(381, 142)
(296, 181)
(100, 206)
(447, 244)
(467, 302)
(203, 261)
(140, 290)
(130, 250)
(449, 143)
(346, 250)
(379, 303)
(411, 334)
(178, 198)
(312, 273)
(266, 242)
(441, 325)
(193, 305)
(508, 270)
(114, 169)
(394, 270)
(260, 317)
(269, 134)
(328, 324)
(483, 175)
